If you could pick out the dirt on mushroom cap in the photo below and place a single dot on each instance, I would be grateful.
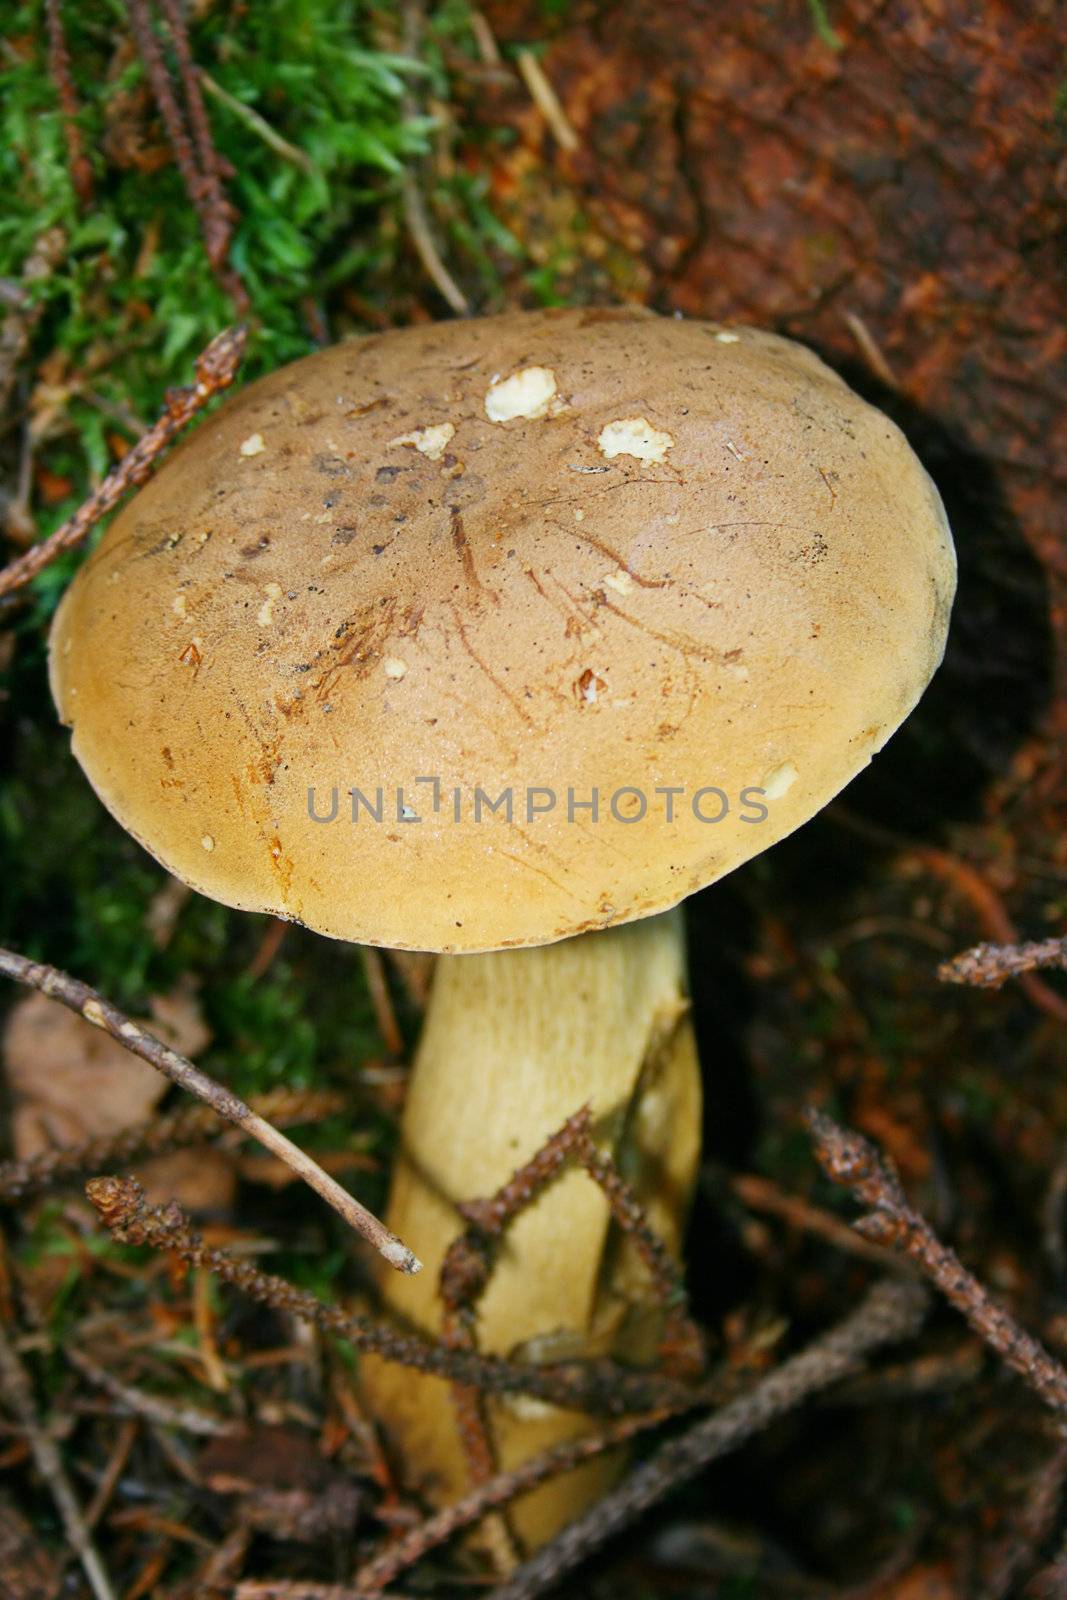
(542, 554)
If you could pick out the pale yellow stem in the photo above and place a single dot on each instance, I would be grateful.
(514, 1043)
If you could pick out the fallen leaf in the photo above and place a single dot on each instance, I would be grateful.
(69, 1082)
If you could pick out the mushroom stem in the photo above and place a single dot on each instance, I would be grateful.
(516, 1042)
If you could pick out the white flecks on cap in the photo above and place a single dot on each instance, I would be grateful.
(530, 392)
(177, 605)
(273, 591)
(620, 581)
(394, 667)
(779, 780)
(724, 336)
(430, 442)
(253, 445)
(634, 436)
(208, 842)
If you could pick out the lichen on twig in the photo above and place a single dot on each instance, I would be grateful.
(847, 1158)
(988, 966)
(592, 1386)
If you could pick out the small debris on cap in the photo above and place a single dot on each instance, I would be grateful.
(530, 392)
(429, 442)
(634, 436)
(779, 781)
(253, 445)
(273, 591)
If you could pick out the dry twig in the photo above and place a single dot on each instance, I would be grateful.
(381, 1000)
(993, 916)
(590, 1386)
(850, 1160)
(499, 1490)
(18, 1394)
(101, 1013)
(189, 133)
(1030, 1527)
(192, 1125)
(215, 371)
(416, 217)
(116, 1466)
(546, 99)
(81, 173)
(467, 1268)
(189, 1419)
(293, 1589)
(870, 349)
(259, 125)
(891, 1311)
(988, 966)
(760, 1194)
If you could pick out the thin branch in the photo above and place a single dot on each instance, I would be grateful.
(577, 1386)
(215, 370)
(463, 1278)
(1029, 1528)
(258, 125)
(499, 1490)
(988, 966)
(546, 99)
(190, 1419)
(870, 349)
(991, 913)
(381, 1000)
(192, 1125)
(891, 1311)
(189, 133)
(760, 1194)
(78, 997)
(17, 1391)
(468, 1264)
(849, 1159)
(116, 1466)
(416, 217)
(81, 173)
(417, 222)
(294, 1589)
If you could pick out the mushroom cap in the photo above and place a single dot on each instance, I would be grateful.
(541, 554)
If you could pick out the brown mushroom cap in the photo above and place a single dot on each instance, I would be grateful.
(560, 550)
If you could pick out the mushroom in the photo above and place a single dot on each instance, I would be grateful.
(498, 639)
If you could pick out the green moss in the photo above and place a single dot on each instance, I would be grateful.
(134, 299)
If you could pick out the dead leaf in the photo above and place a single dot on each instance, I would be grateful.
(69, 1082)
